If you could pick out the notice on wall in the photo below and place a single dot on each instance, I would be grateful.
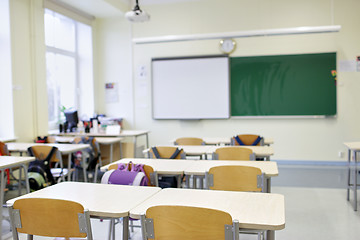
(347, 66)
(111, 92)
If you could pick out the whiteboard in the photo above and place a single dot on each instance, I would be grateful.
(191, 88)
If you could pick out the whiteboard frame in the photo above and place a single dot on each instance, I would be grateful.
(228, 109)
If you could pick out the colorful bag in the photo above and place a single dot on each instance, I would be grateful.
(126, 174)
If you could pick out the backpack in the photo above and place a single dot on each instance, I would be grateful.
(39, 172)
(126, 174)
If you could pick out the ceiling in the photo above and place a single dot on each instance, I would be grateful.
(110, 8)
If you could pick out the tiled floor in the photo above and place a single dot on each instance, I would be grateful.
(316, 207)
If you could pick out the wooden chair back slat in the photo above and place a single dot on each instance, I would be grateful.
(235, 178)
(49, 217)
(42, 151)
(3, 149)
(189, 141)
(247, 139)
(233, 153)
(167, 152)
(190, 223)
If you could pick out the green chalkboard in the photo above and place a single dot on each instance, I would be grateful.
(283, 85)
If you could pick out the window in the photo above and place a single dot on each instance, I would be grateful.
(69, 67)
(6, 94)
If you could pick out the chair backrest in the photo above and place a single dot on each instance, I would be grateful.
(233, 153)
(149, 172)
(189, 141)
(235, 178)
(41, 152)
(3, 149)
(50, 218)
(89, 140)
(190, 223)
(247, 139)
(166, 152)
(93, 151)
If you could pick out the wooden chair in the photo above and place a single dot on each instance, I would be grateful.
(190, 223)
(94, 151)
(235, 178)
(189, 141)
(233, 153)
(40, 152)
(49, 218)
(248, 139)
(166, 152)
(3, 149)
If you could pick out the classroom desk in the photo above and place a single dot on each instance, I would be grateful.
(163, 167)
(226, 141)
(6, 140)
(123, 133)
(258, 211)
(260, 151)
(65, 149)
(353, 150)
(195, 168)
(11, 162)
(102, 200)
(101, 140)
(199, 167)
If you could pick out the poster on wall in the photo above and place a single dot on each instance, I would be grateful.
(111, 92)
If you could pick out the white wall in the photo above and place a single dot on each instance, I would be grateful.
(295, 139)
(113, 62)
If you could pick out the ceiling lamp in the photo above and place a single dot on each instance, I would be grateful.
(137, 15)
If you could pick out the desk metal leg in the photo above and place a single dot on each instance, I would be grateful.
(84, 165)
(111, 153)
(121, 151)
(147, 140)
(24, 166)
(270, 235)
(2, 198)
(348, 176)
(355, 181)
(268, 185)
(125, 228)
(69, 167)
(187, 181)
(135, 138)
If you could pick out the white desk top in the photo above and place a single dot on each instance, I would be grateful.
(63, 148)
(12, 161)
(260, 151)
(100, 140)
(123, 133)
(102, 200)
(354, 146)
(6, 140)
(253, 210)
(199, 167)
(162, 166)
